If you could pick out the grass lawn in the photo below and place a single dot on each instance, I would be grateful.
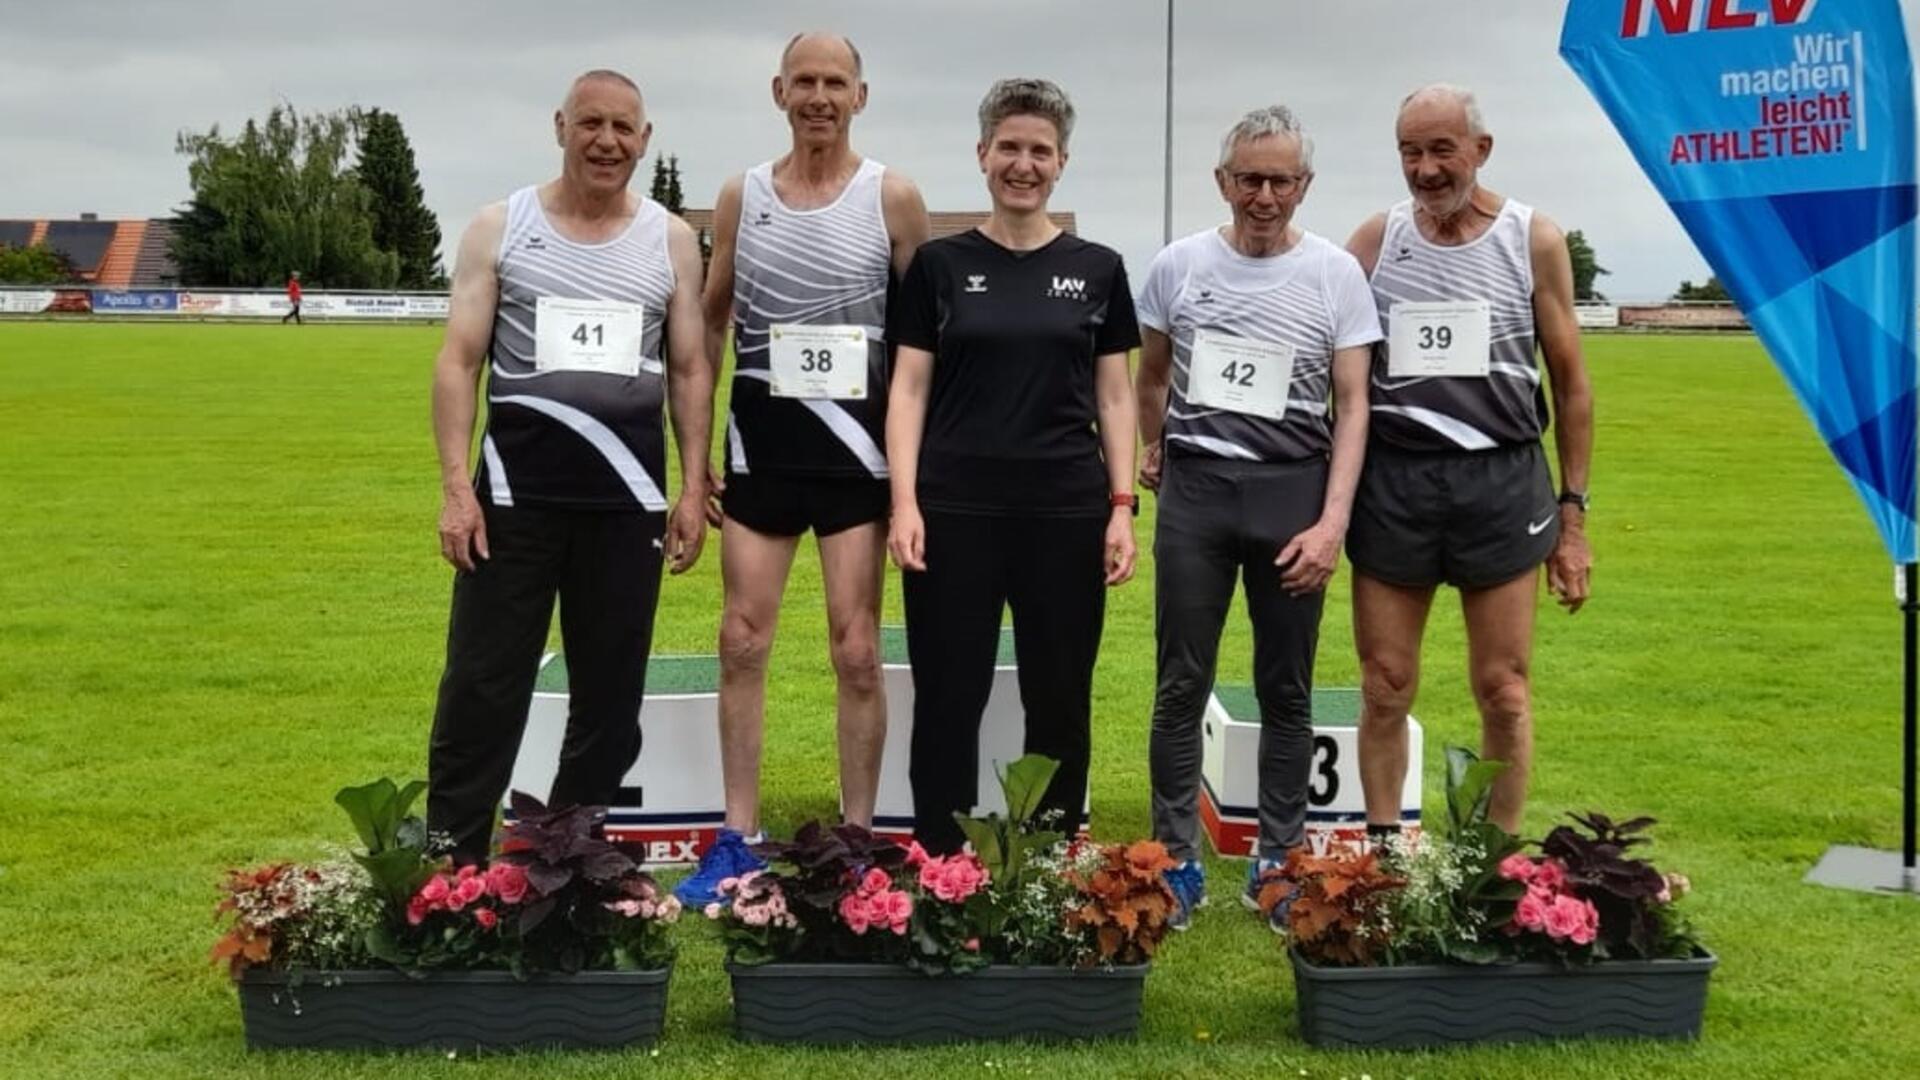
(222, 600)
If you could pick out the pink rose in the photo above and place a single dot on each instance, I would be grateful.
(854, 912)
(508, 882)
(1564, 917)
(436, 889)
(1517, 867)
(417, 909)
(471, 889)
(485, 917)
(875, 881)
(1531, 914)
(467, 871)
(896, 908)
(1552, 875)
(1589, 927)
(916, 855)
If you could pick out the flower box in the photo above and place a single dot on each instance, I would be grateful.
(835, 1003)
(452, 1010)
(1436, 1004)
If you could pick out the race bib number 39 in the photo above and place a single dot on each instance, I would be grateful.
(587, 335)
(1239, 374)
(1449, 338)
(818, 361)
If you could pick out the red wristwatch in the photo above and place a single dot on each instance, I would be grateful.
(1127, 499)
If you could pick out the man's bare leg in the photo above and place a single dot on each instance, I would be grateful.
(852, 562)
(1388, 622)
(753, 568)
(1499, 659)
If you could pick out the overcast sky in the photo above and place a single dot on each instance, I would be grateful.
(94, 94)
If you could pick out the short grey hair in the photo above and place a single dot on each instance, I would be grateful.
(1264, 123)
(1026, 97)
(1458, 95)
(602, 74)
(859, 67)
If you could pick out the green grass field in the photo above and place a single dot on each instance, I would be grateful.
(222, 600)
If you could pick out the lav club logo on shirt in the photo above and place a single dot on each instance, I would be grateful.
(1068, 288)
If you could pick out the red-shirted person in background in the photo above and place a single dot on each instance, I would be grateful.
(293, 298)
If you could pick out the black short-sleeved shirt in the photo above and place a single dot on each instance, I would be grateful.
(1014, 334)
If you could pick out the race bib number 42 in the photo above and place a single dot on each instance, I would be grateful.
(1449, 338)
(818, 361)
(587, 335)
(1239, 374)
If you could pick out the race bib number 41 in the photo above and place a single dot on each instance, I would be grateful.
(1239, 374)
(818, 361)
(1449, 338)
(587, 335)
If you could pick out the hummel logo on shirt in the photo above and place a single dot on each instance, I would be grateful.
(976, 283)
(1068, 288)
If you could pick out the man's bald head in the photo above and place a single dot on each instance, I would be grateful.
(599, 77)
(816, 39)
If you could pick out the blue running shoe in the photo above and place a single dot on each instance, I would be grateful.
(1261, 873)
(1189, 885)
(729, 857)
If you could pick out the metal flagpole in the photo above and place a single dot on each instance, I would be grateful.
(1166, 178)
(1910, 606)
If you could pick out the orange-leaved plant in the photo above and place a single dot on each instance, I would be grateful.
(1124, 901)
(1335, 897)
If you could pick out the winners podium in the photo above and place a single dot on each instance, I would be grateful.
(672, 800)
(1336, 813)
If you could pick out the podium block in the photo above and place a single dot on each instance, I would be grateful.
(672, 800)
(1336, 811)
(1002, 733)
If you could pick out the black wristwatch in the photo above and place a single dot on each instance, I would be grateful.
(1575, 498)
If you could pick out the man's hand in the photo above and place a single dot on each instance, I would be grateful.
(907, 538)
(1308, 561)
(686, 531)
(463, 530)
(1121, 551)
(1570, 567)
(716, 487)
(1150, 457)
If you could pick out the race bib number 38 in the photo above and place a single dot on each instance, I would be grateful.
(1450, 338)
(818, 361)
(587, 335)
(1239, 374)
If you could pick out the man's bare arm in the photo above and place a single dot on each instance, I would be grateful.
(456, 384)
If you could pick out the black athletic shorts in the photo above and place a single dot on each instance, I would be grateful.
(1472, 519)
(790, 505)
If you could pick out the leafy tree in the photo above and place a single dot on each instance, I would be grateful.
(402, 224)
(666, 184)
(278, 197)
(1710, 293)
(36, 264)
(1585, 267)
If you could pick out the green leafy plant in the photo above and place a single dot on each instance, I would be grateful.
(396, 855)
(1009, 845)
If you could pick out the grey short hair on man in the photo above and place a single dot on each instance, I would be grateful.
(607, 74)
(1265, 122)
(1026, 97)
(1458, 95)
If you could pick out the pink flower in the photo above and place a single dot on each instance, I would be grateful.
(916, 855)
(669, 909)
(417, 909)
(876, 880)
(467, 871)
(712, 911)
(854, 911)
(485, 917)
(953, 878)
(1552, 875)
(508, 882)
(729, 886)
(972, 944)
(436, 889)
(1589, 927)
(469, 890)
(628, 907)
(1566, 915)
(895, 908)
(1517, 867)
(1531, 914)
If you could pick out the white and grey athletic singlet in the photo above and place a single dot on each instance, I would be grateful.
(829, 266)
(1509, 405)
(1313, 297)
(582, 439)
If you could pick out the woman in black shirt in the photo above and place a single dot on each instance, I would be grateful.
(1010, 432)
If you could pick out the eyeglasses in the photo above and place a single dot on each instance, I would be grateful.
(1283, 185)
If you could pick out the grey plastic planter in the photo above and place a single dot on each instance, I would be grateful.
(887, 1003)
(453, 1010)
(1433, 1005)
